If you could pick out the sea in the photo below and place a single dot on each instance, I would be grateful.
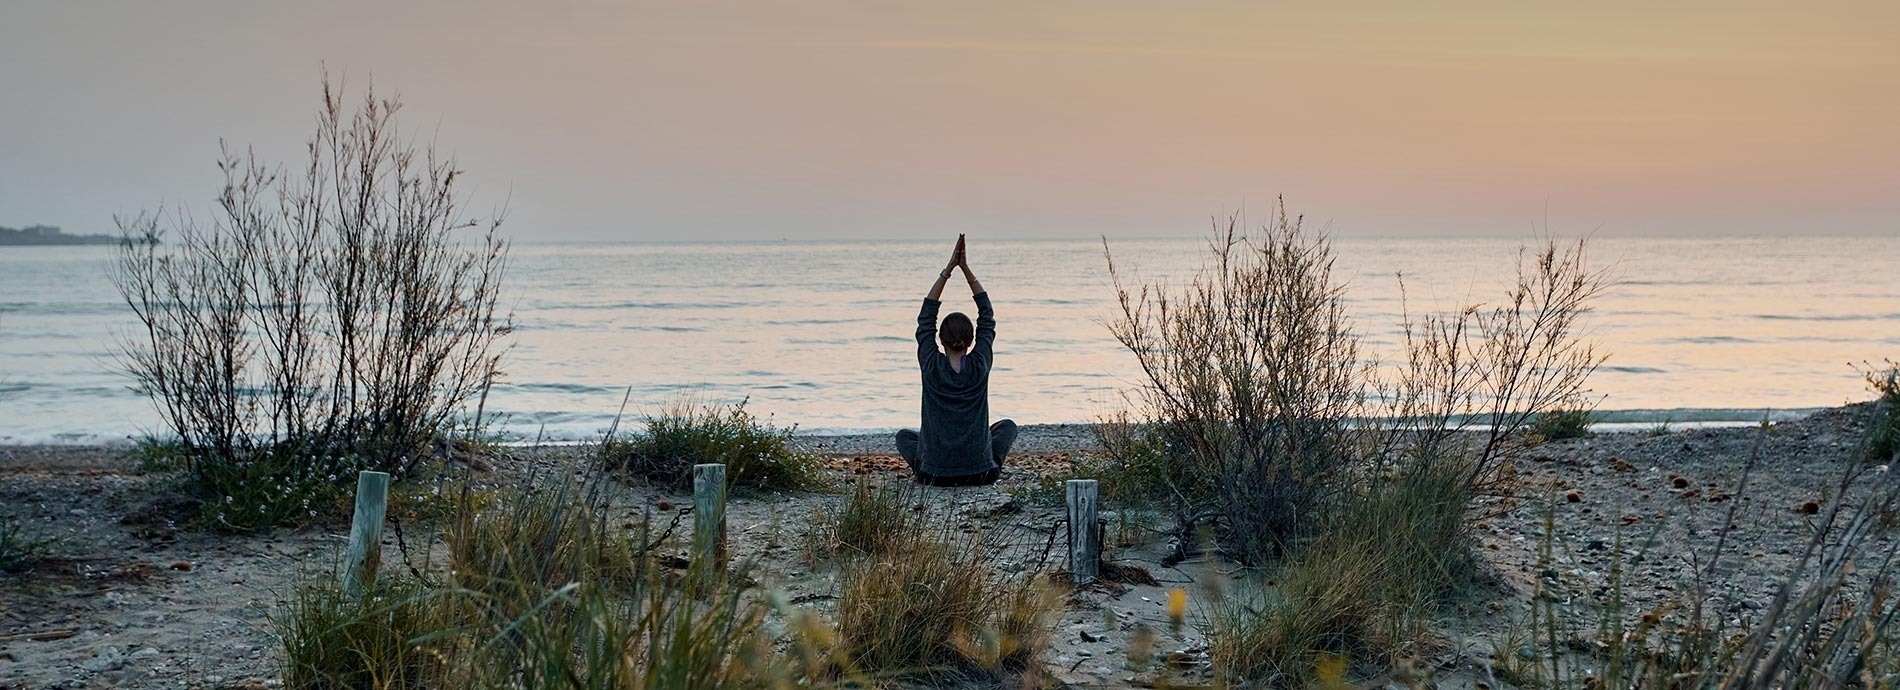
(818, 335)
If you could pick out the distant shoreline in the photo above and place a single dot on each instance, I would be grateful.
(60, 241)
(52, 236)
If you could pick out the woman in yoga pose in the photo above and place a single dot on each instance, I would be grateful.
(956, 445)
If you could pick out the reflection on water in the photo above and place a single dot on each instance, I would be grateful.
(819, 333)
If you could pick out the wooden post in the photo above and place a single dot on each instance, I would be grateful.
(1085, 537)
(709, 516)
(366, 532)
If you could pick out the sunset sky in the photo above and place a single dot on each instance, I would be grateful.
(710, 120)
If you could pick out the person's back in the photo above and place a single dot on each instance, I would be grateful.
(956, 443)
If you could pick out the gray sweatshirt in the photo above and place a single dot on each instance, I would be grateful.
(955, 438)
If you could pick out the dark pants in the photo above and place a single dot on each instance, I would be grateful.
(1002, 436)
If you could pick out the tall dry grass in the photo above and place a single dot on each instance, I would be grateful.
(541, 589)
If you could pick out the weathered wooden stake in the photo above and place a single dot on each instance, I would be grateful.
(709, 515)
(366, 532)
(1085, 536)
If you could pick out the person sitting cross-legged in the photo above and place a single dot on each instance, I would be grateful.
(956, 444)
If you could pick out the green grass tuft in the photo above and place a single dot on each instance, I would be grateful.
(755, 453)
(1557, 425)
(20, 548)
(332, 639)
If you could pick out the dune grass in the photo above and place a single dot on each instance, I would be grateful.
(757, 455)
(934, 607)
(543, 588)
(877, 518)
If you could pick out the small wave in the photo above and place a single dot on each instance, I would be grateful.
(813, 322)
(559, 388)
(669, 306)
(1706, 340)
(664, 329)
(1826, 317)
(1641, 283)
(1634, 370)
(799, 385)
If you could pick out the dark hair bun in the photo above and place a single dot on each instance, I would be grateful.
(957, 332)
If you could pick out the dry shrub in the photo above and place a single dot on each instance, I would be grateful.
(1881, 442)
(326, 313)
(935, 607)
(1356, 475)
(1253, 375)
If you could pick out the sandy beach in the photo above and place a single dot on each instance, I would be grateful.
(134, 599)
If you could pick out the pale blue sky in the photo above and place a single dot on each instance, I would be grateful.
(715, 120)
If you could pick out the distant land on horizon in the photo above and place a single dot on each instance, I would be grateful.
(50, 235)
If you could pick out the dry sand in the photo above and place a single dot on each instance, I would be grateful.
(133, 602)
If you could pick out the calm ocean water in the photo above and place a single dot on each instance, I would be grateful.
(819, 334)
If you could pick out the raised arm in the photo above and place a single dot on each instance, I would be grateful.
(985, 315)
(976, 286)
(956, 259)
(927, 315)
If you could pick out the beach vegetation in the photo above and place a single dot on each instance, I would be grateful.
(21, 547)
(934, 606)
(757, 454)
(1364, 590)
(876, 519)
(542, 588)
(335, 639)
(1299, 450)
(1128, 468)
(153, 454)
(1881, 440)
(1563, 423)
(328, 317)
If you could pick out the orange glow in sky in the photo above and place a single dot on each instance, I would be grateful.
(616, 120)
